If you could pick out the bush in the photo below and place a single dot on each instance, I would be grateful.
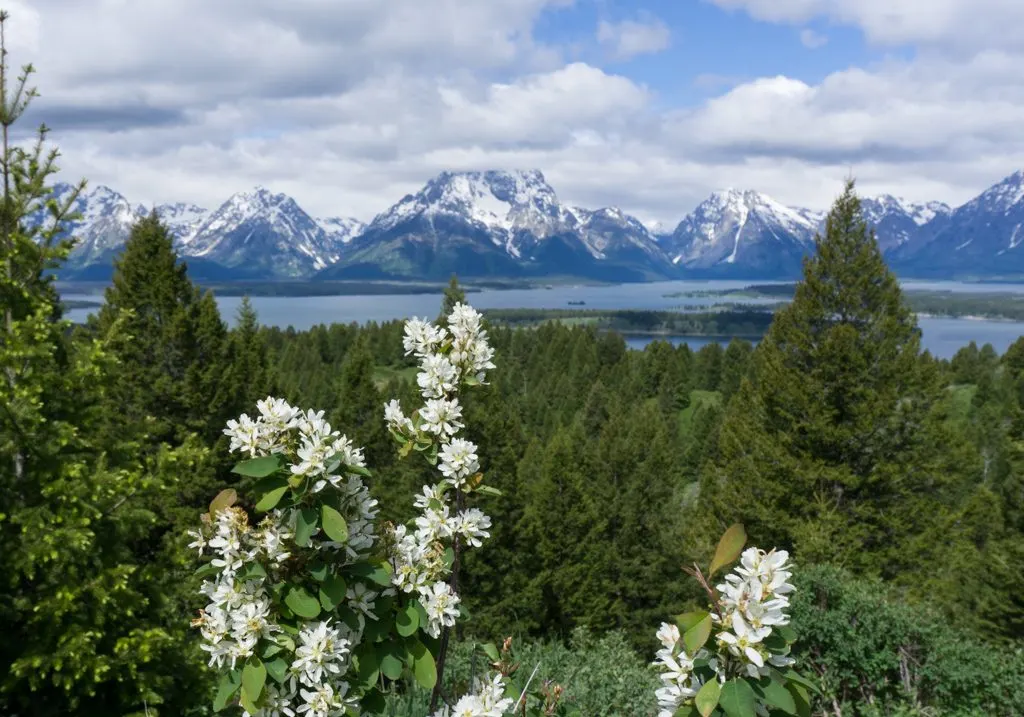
(602, 676)
(879, 657)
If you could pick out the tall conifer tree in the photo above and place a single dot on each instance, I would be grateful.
(832, 446)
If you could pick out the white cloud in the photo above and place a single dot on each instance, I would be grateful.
(630, 38)
(811, 39)
(348, 105)
(961, 24)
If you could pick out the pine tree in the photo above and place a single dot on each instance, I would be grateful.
(89, 629)
(453, 295)
(832, 447)
(173, 350)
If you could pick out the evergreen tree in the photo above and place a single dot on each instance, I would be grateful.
(360, 406)
(173, 349)
(832, 447)
(453, 295)
(89, 627)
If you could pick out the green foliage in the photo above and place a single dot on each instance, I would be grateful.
(876, 655)
(836, 444)
(89, 613)
(600, 676)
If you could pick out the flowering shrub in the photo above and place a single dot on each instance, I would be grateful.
(315, 608)
(733, 659)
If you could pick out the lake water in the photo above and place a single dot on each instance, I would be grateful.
(942, 336)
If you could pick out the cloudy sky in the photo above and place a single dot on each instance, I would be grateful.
(647, 104)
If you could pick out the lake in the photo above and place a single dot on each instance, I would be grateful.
(942, 336)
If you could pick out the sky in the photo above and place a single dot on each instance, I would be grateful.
(649, 105)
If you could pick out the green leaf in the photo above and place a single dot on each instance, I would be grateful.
(407, 621)
(271, 498)
(423, 666)
(689, 710)
(334, 525)
(228, 685)
(379, 573)
(252, 571)
(448, 557)
(707, 698)
(332, 592)
(391, 666)
(225, 499)
(801, 699)
(270, 650)
(491, 650)
(776, 695)
(688, 619)
(794, 676)
(247, 702)
(302, 603)
(305, 526)
(367, 665)
(277, 669)
(358, 470)
(488, 490)
(696, 636)
(319, 570)
(786, 632)
(206, 569)
(738, 698)
(258, 467)
(729, 548)
(254, 676)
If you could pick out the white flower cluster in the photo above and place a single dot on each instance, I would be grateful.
(449, 358)
(754, 596)
(676, 671)
(488, 700)
(753, 600)
(239, 614)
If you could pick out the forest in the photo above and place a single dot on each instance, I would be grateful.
(895, 480)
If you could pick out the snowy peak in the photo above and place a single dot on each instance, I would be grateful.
(341, 230)
(1004, 196)
(497, 201)
(182, 219)
(745, 229)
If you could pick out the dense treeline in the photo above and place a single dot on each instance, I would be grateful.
(897, 480)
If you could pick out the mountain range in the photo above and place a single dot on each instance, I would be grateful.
(512, 224)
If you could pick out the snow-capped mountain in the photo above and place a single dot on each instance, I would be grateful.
(341, 230)
(263, 230)
(898, 222)
(982, 237)
(742, 232)
(105, 223)
(499, 222)
(512, 223)
(182, 219)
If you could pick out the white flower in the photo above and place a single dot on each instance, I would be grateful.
(472, 524)
(441, 605)
(321, 650)
(396, 419)
(458, 460)
(441, 416)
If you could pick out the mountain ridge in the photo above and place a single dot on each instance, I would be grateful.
(512, 223)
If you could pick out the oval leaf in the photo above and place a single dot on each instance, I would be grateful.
(423, 666)
(302, 603)
(391, 667)
(379, 573)
(729, 548)
(738, 699)
(305, 526)
(254, 676)
(225, 499)
(271, 498)
(777, 696)
(696, 636)
(229, 684)
(707, 698)
(257, 467)
(332, 592)
(277, 669)
(334, 525)
(689, 619)
(407, 620)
